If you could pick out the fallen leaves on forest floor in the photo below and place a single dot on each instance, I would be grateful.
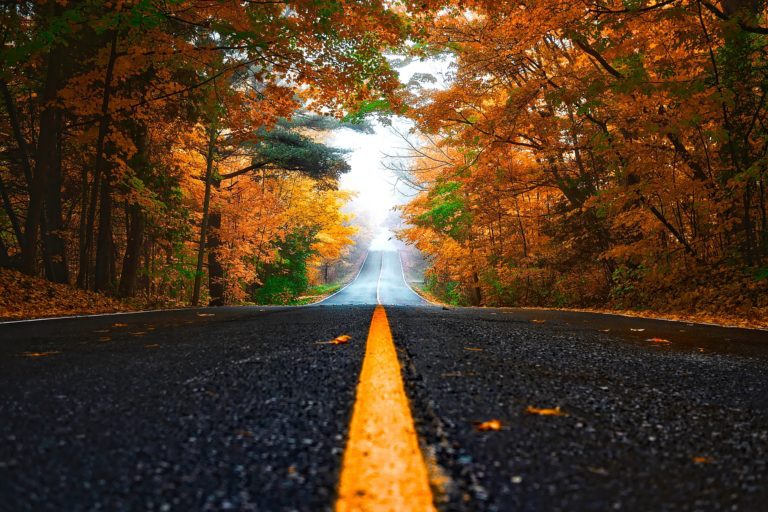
(545, 412)
(486, 426)
(23, 296)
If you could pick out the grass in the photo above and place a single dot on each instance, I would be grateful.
(315, 293)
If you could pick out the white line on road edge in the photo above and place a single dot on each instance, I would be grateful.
(345, 286)
(402, 271)
(378, 283)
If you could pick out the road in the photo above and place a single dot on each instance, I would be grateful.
(381, 281)
(251, 408)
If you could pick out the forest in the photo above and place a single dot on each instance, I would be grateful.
(596, 153)
(584, 154)
(174, 149)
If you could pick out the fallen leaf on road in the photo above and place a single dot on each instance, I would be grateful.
(243, 433)
(119, 325)
(545, 412)
(206, 314)
(658, 340)
(105, 338)
(636, 330)
(138, 333)
(41, 354)
(485, 426)
(338, 340)
(537, 321)
(476, 349)
(344, 338)
(702, 459)
(605, 330)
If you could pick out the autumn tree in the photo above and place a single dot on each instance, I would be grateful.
(598, 147)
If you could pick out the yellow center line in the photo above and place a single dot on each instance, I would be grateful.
(383, 468)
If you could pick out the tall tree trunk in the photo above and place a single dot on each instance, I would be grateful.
(215, 267)
(8, 206)
(135, 216)
(21, 141)
(46, 155)
(24, 155)
(204, 223)
(57, 266)
(104, 278)
(136, 223)
(82, 271)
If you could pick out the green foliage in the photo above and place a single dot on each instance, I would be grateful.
(367, 108)
(448, 291)
(625, 290)
(286, 278)
(448, 211)
(288, 150)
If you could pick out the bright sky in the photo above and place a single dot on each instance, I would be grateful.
(372, 182)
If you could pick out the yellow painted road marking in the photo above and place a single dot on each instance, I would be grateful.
(383, 468)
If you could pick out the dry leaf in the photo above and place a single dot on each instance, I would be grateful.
(105, 338)
(485, 426)
(476, 349)
(637, 330)
(702, 459)
(41, 354)
(537, 321)
(119, 325)
(658, 340)
(206, 314)
(138, 333)
(340, 340)
(545, 412)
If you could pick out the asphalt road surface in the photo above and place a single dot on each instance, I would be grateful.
(381, 281)
(249, 408)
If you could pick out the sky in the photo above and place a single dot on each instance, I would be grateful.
(373, 184)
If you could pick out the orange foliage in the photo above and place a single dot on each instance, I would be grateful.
(586, 154)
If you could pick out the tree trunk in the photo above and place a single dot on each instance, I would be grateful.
(104, 278)
(204, 223)
(215, 267)
(136, 224)
(46, 156)
(135, 216)
(57, 266)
